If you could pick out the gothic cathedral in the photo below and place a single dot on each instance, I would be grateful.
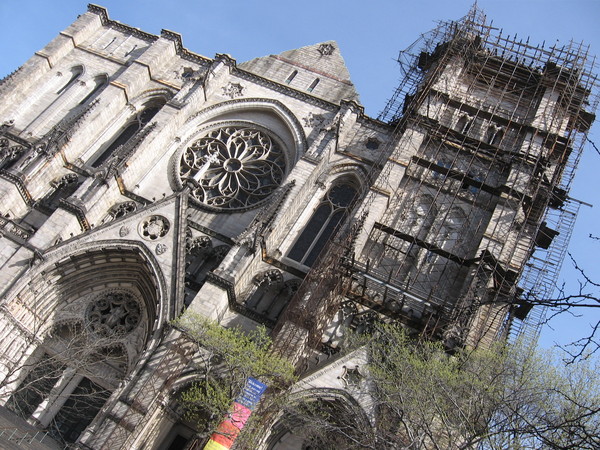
(140, 181)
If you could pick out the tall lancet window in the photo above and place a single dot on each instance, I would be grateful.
(75, 74)
(100, 82)
(127, 133)
(328, 216)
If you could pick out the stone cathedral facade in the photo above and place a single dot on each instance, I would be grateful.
(140, 180)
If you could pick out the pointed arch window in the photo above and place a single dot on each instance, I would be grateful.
(75, 74)
(79, 410)
(464, 124)
(291, 77)
(80, 364)
(326, 219)
(494, 135)
(451, 232)
(120, 210)
(100, 83)
(313, 85)
(36, 386)
(131, 129)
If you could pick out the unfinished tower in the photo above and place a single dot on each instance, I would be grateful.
(467, 218)
(140, 181)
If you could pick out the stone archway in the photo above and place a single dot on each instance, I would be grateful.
(320, 418)
(84, 320)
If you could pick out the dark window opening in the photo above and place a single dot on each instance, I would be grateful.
(326, 219)
(464, 124)
(130, 130)
(179, 443)
(78, 411)
(494, 135)
(372, 144)
(198, 265)
(36, 387)
(313, 85)
(291, 77)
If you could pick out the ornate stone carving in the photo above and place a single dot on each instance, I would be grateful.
(326, 49)
(64, 180)
(8, 227)
(124, 231)
(9, 154)
(160, 249)
(351, 376)
(269, 277)
(233, 90)
(196, 245)
(313, 120)
(233, 167)
(189, 74)
(120, 210)
(154, 227)
(114, 313)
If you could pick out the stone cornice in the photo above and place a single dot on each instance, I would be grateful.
(19, 184)
(106, 21)
(188, 55)
(182, 51)
(166, 34)
(78, 211)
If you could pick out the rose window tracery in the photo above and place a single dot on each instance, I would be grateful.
(154, 227)
(233, 167)
(114, 313)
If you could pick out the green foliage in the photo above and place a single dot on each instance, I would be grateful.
(226, 358)
(502, 397)
(505, 397)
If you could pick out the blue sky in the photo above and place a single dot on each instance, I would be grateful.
(369, 34)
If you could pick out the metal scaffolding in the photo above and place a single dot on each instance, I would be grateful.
(488, 130)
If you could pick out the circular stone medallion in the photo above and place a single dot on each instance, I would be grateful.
(154, 227)
(114, 313)
(233, 167)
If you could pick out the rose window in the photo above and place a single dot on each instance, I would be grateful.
(114, 313)
(233, 167)
(154, 227)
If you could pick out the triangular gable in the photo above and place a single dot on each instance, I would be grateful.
(323, 60)
(168, 250)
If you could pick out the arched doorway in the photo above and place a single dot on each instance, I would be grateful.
(88, 319)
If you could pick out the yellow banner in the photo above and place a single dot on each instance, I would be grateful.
(212, 445)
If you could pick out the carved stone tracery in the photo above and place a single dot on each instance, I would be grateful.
(326, 49)
(115, 313)
(233, 90)
(233, 167)
(154, 227)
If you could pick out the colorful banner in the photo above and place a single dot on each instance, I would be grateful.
(232, 425)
